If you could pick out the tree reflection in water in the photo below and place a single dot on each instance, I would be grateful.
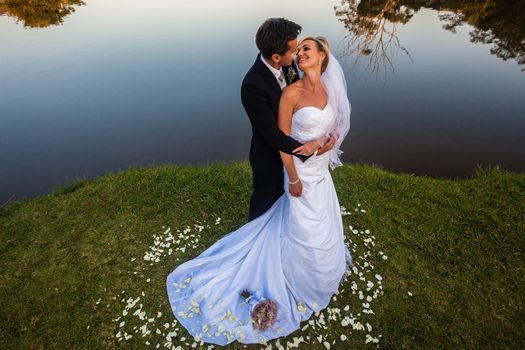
(373, 30)
(372, 26)
(39, 13)
(500, 23)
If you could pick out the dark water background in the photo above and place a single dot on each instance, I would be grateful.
(100, 86)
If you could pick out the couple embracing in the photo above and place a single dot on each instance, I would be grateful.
(261, 281)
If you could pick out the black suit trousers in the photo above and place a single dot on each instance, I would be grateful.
(267, 188)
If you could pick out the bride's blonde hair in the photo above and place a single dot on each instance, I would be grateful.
(322, 45)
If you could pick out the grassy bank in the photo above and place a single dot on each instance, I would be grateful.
(438, 263)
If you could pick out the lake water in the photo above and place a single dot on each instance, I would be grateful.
(137, 83)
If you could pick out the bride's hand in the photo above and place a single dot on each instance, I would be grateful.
(296, 189)
(308, 148)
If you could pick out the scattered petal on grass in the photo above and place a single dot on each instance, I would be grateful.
(362, 278)
(369, 339)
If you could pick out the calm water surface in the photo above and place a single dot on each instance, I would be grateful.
(115, 84)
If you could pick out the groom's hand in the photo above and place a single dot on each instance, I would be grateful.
(307, 149)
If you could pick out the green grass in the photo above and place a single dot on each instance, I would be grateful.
(456, 245)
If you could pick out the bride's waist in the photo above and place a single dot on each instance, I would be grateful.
(316, 165)
(313, 166)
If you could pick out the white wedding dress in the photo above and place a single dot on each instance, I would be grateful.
(294, 254)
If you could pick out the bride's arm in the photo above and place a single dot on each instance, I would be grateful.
(288, 100)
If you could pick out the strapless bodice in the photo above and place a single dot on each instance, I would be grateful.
(310, 122)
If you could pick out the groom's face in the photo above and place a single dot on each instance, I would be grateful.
(286, 59)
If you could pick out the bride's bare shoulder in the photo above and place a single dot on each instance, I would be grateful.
(293, 91)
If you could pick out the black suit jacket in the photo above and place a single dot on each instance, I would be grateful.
(260, 95)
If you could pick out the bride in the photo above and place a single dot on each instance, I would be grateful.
(260, 281)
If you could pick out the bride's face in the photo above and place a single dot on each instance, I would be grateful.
(308, 55)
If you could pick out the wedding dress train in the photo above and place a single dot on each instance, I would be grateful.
(294, 255)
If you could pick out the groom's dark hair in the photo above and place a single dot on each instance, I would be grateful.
(273, 36)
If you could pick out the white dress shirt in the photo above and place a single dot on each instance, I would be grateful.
(276, 72)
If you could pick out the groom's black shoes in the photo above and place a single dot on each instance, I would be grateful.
(260, 94)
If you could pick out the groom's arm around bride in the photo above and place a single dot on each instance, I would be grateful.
(261, 104)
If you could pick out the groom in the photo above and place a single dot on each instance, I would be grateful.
(272, 71)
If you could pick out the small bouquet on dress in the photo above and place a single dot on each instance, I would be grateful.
(263, 312)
